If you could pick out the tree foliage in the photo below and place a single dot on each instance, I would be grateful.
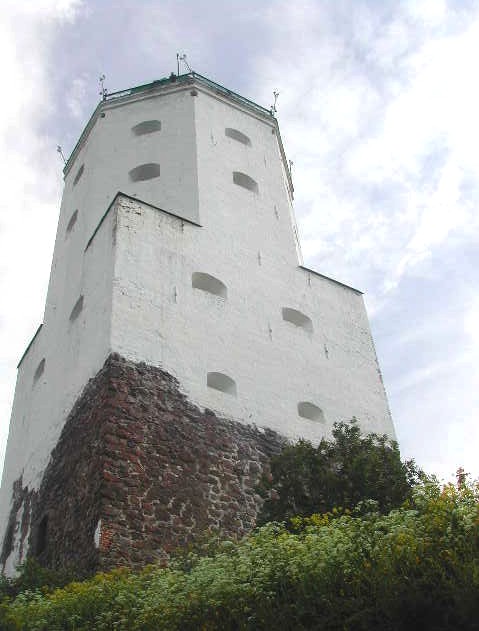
(414, 568)
(31, 576)
(340, 472)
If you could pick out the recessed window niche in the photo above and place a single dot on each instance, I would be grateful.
(310, 411)
(297, 318)
(235, 134)
(77, 309)
(144, 172)
(78, 175)
(206, 282)
(72, 222)
(241, 179)
(220, 381)
(42, 536)
(39, 371)
(146, 127)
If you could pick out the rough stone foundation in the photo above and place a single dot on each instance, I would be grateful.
(140, 471)
(18, 526)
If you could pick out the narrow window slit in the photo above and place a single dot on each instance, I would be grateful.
(78, 175)
(206, 282)
(235, 134)
(310, 411)
(146, 127)
(297, 318)
(144, 172)
(72, 222)
(241, 179)
(42, 536)
(77, 309)
(220, 381)
(39, 371)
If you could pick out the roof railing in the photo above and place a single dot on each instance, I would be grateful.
(184, 78)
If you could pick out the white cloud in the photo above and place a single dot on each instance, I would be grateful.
(471, 323)
(54, 9)
(430, 12)
(432, 371)
(30, 190)
(378, 110)
(76, 98)
(367, 102)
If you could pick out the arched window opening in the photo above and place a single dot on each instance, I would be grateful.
(77, 309)
(42, 536)
(241, 179)
(310, 411)
(39, 371)
(221, 382)
(297, 318)
(144, 172)
(237, 135)
(212, 285)
(72, 222)
(146, 127)
(78, 175)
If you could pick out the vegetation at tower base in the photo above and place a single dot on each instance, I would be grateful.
(416, 567)
(343, 471)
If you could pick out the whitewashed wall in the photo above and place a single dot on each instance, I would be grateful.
(159, 318)
(247, 241)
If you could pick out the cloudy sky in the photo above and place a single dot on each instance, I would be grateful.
(379, 111)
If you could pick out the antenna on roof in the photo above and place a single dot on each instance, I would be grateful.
(60, 151)
(183, 59)
(103, 91)
(273, 109)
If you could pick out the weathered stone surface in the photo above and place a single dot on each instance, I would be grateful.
(148, 470)
(19, 521)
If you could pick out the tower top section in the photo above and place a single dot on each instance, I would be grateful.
(173, 83)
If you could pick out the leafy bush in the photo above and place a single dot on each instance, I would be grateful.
(31, 575)
(414, 568)
(342, 472)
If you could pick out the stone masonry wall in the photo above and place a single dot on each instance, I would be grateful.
(19, 522)
(140, 471)
(170, 470)
(71, 492)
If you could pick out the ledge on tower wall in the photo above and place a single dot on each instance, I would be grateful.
(140, 471)
(332, 280)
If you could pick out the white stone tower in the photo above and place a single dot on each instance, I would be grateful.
(176, 267)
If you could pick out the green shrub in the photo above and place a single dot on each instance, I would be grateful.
(31, 575)
(414, 568)
(343, 471)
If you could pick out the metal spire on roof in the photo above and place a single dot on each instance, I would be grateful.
(60, 151)
(183, 59)
(103, 91)
(273, 109)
